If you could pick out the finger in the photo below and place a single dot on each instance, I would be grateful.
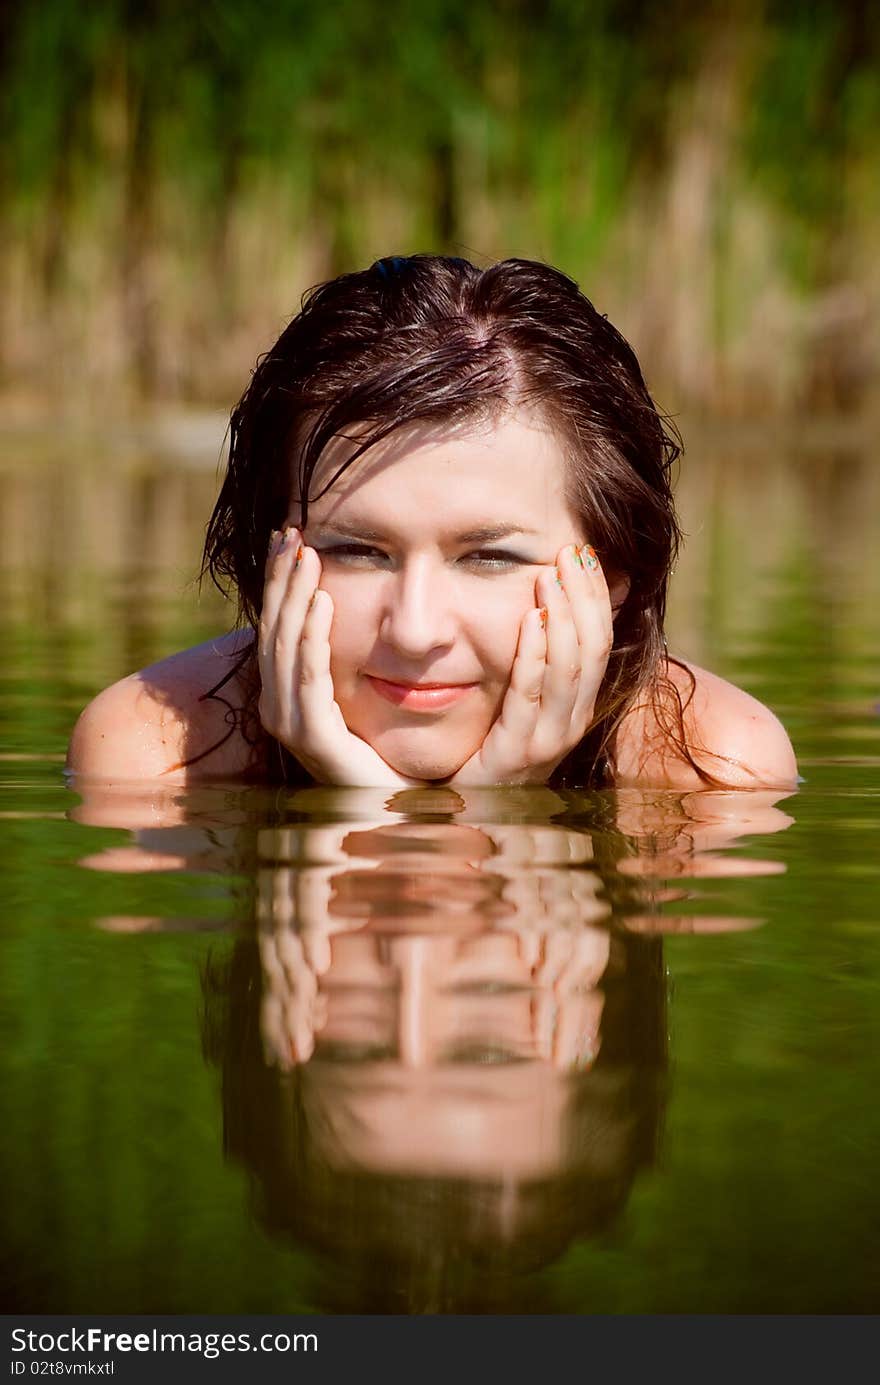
(303, 575)
(544, 1014)
(514, 845)
(529, 942)
(557, 950)
(587, 962)
(521, 893)
(324, 743)
(269, 959)
(504, 750)
(273, 1030)
(576, 1040)
(314, 889)
(564, 665)
(274, 658)
(591, 907)
(300, 1026)
(587, 591)
(315, 679)
(279, 663)
(282, 897)
(265, 897)
(291, 955)
(318, 951)
(283, 546)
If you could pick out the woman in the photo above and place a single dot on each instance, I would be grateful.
(448, 523)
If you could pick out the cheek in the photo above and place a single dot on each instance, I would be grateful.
(493, 622)
(354, 631)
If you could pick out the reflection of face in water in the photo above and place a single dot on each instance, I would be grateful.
(442, 1055)
(458, 1068)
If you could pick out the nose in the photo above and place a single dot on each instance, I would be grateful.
(413, 966)
(422, 965)
(418, 618)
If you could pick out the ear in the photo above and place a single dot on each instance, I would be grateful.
(618, 591)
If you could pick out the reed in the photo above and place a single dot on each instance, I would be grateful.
(173, 177)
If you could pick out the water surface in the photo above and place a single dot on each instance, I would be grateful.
(494, 1051)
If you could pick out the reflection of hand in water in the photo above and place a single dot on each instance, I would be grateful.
(448, 948)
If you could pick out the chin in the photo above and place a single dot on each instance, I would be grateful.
(424, 767)
(407, 756)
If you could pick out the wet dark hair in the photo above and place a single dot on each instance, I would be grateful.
(433, 338)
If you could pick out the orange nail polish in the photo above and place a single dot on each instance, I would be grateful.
(543, 617)
(299, 556)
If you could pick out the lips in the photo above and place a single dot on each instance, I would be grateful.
(416, 687)
(420, 697)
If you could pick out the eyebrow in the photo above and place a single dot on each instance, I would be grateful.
(488, 533)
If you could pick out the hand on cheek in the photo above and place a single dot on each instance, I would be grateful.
(560, 662)
(297, 701)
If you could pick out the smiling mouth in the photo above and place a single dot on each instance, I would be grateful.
(420, 697)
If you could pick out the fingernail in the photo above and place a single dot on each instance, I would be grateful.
(299, 556)
(558, 578)
(274, 537)
(577, 555)
(289, 535)
(589, 556)
(543, 614)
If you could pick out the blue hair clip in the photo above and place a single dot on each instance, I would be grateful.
(391, 265)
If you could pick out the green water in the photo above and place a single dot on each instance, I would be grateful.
(608, 1053)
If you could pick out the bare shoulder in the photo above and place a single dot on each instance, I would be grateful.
(146, 725)
(730, 734)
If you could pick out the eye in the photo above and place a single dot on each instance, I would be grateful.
(352, 1051)
(495, 558)
(355, 554)
(484, 1053)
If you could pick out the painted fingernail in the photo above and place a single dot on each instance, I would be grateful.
(274, 539)
(288, 537)
(558, 578)
(299, 556)
(543, 614)
(577, 555)
(589, 556)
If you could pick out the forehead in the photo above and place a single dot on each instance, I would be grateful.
(511, 471)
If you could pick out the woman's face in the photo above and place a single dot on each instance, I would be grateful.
(431, 544)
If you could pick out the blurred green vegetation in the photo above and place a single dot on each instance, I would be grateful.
(173, 177)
